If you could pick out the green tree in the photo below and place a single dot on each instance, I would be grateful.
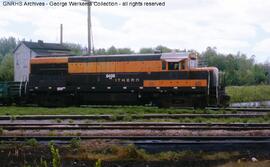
(100, 51)
(76, 49)
(163, 49)
(112, 51)
(146, 50)
(1, 57)
(259, 74)
(239, 70)
(267, 71)
(7, 45)
(124, 51)
(6, 68)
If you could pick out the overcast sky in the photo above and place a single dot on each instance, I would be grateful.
(229, 25)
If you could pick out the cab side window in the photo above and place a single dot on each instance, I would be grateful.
(182, 65)
(173, 66)
(164, 65)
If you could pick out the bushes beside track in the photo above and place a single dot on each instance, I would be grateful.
(249, 93)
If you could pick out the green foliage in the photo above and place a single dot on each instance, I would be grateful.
(248, 93)
(75, 143)
(146, 50)
(163, 49)
(127, 118)
(56, 161)
(113, 50)
(51, 143)
(98, 163)
(76, 49)
(32, 142)
(58, 120)
(13, 117)
(6, 68)
(101, 51)
(118, 153)
(7, 45)
(239, 70)
(266, 67)
(43, 163)
(130, 153)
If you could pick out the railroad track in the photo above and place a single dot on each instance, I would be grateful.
(134, 126)
(148, 139)
(133, 116)
(156, 144)
(241, 109)
(148, 142)
(247, 109)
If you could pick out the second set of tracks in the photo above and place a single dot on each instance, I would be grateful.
(135, 126)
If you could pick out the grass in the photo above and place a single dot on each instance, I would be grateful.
(116, 111)
(262, 119)
(75, 143)
(127, 112)
(32, 142)
(249, 93)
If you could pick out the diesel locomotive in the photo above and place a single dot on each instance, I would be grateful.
(160, 79)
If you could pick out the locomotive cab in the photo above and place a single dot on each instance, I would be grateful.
(179, 61)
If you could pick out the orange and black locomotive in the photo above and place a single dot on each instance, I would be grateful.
(161, 79)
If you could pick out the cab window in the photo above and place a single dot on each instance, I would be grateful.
(164, 65)
(173, 66)
(182, 65)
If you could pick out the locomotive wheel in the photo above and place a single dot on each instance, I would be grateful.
(164, 103)
(199, 103)
(7, 102)
(52, 101)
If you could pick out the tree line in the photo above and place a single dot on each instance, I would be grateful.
(238, 68)
(7, 45)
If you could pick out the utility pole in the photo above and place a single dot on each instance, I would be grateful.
(61, 34)
(89, 26)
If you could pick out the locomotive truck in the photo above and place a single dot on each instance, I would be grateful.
(160, 79)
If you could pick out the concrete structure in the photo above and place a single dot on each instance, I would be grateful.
(27, 50)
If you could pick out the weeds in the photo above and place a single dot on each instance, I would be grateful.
(71, 121)
(98, 163)
(75, 143)
(52, 133)
(127, 118)
(56, 161)
(32, 142)
(43, 163)
(130, 152)
(58, 120)
(116, 117)
(12, 117)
